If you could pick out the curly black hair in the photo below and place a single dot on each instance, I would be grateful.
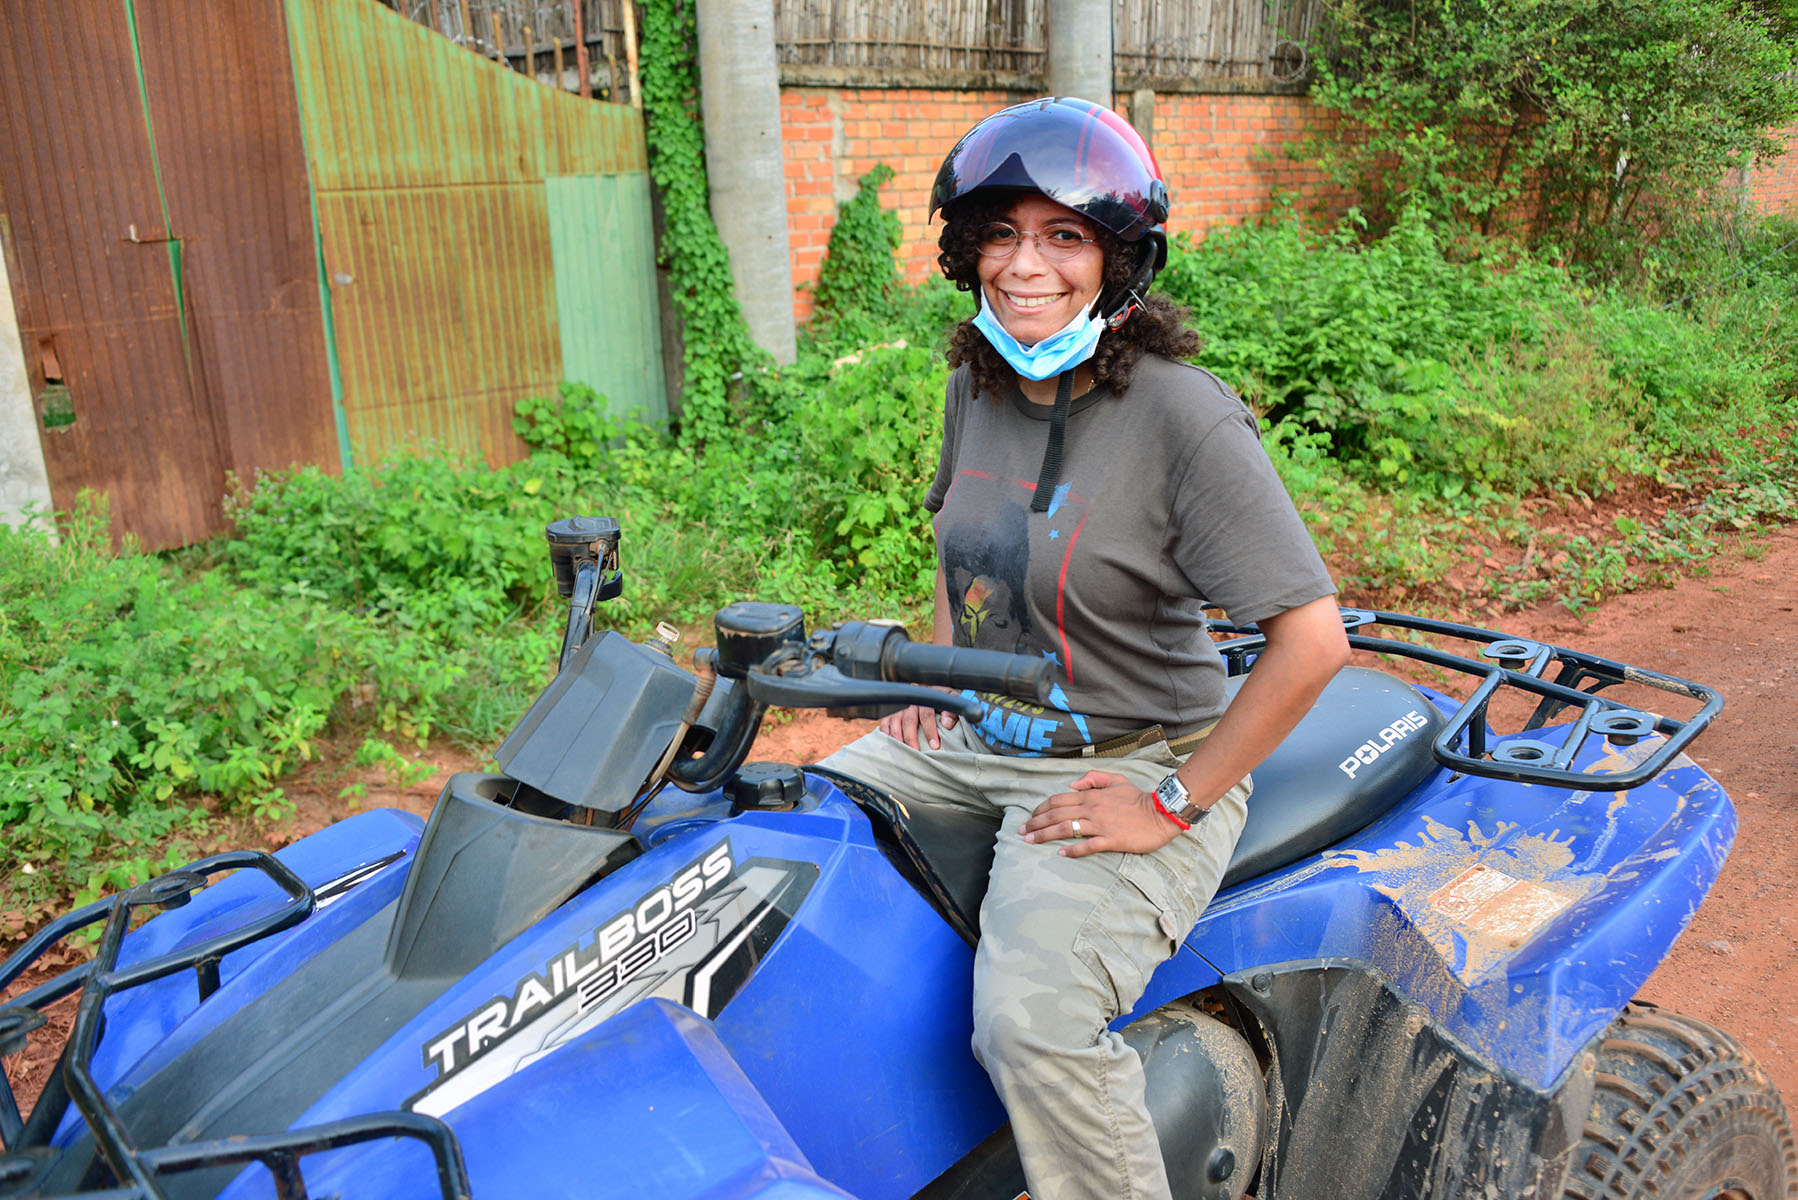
(1158, 327)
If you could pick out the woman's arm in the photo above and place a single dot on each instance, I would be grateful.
(942, 621)
(1306, 646)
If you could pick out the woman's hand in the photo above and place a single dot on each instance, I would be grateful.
(1103, 812)
(908, 723)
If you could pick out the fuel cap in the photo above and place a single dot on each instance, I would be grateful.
(766, 787)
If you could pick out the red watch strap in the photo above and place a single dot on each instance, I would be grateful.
(1170, 816)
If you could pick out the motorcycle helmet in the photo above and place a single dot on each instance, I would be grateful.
(1076, 153)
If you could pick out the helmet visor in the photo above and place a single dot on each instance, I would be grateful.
(1076, 153)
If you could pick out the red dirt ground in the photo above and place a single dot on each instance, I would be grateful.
(1736, 630)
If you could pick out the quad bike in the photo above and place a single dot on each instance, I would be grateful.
(633, 966)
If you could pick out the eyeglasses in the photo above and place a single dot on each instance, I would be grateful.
(1059, 242)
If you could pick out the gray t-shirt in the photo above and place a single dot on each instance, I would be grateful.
(1166, 502)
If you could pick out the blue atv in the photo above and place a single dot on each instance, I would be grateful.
(634, 966)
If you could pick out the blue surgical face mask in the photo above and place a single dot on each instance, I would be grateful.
(1058, 352)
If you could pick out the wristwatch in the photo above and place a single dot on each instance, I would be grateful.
(1173, 797)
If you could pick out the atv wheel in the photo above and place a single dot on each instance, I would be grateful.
(1681, 1112)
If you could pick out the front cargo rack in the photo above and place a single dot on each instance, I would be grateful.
(1466, 744)
(138, 1171)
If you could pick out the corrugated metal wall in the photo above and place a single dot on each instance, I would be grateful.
(221, 100)
(198, 347)
(433, 170)
(99, 317)
(605, 300)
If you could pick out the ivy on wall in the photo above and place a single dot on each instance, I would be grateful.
(859, 278)
(719, 350)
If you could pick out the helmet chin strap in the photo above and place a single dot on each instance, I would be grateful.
(1050, 474)
(1130, 300)
(1131, 296)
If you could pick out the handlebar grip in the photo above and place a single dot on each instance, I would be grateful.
(1015, 675)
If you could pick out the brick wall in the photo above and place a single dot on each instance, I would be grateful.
(1224, 156)
(831, 137)
(1774, 188)
(1221, 155)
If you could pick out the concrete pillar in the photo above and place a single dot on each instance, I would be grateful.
(739, 85)
(23, 478)
(1080, 49)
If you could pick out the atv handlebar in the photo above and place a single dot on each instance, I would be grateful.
(865, 667)
(858, 664)
(865, 650)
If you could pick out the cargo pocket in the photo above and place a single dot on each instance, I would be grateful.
(1176, 907)
(1140, 925)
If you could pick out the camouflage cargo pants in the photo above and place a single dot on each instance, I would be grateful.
(1066, 945)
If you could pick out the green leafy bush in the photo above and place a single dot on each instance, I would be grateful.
(576, 425)
(424, 537)
(128, 687)
(1592, 123)
(859, 277)
(1464, 369)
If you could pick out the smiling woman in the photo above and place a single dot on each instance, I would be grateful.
(1152, 497)
(1040, 269)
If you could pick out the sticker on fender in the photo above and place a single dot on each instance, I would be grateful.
(1490, 902)
(694, 939)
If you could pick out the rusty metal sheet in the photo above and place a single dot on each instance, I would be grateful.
(429, 164)
(226, 123)
(387, 103)
(444, 305)
(77, 177)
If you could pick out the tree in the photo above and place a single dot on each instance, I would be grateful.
(1586, 123)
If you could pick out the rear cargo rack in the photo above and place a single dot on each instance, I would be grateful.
(1467, 744)
(138, 1169)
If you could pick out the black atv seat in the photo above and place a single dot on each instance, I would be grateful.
(1363, 747)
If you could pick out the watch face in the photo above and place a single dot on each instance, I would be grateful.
(1175, 798)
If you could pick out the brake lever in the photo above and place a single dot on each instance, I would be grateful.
(827, 687)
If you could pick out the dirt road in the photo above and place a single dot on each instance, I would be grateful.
(1737, 630)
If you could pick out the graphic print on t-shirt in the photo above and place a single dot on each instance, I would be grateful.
(994, 567)
(988, 569)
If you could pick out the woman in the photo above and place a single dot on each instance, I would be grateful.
(1093, 495)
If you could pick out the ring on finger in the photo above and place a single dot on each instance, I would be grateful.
(1076, 828)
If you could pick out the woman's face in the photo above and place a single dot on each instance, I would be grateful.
(1034, 296)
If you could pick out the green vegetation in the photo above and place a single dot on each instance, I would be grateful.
(1588, 127)
(1463, 421)
(718, 348)
(859, 279)
(1428, 394)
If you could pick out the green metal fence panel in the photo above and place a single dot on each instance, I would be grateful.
(431, 168)
(602, 241)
